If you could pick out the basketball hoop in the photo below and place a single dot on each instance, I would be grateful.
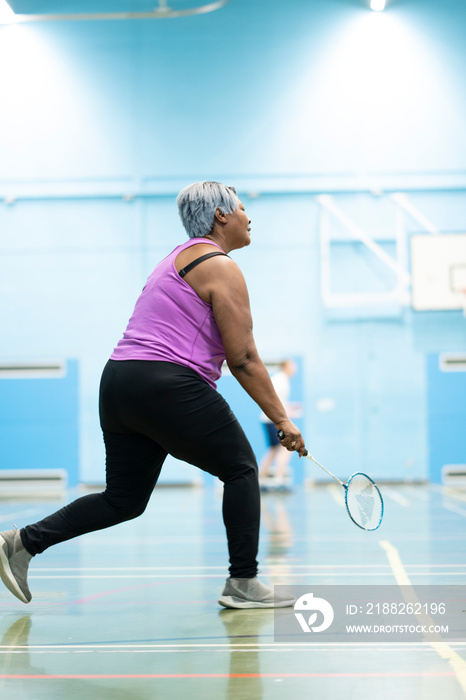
(438, 271)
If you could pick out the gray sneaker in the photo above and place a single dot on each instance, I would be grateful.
(251, 593)
(14, 563)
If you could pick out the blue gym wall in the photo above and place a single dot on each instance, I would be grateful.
(28, 410)
(101, 123)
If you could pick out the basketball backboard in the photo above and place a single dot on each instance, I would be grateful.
(438, 267)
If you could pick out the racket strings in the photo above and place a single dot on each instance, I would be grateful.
(364, 502)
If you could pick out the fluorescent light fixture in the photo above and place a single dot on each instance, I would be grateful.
(6, 13)
(378, 5)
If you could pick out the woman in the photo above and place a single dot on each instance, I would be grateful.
(157, 396)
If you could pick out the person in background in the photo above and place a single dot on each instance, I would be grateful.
(276, 455)
(158, 396)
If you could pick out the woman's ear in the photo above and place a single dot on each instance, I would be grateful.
(220, 216)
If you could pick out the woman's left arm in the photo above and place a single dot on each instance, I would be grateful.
(230, 304)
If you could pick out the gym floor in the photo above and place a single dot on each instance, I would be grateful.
(131, 612)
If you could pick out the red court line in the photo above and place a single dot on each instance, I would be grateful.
(132, 676)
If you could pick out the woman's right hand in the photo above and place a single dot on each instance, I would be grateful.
(290, 437)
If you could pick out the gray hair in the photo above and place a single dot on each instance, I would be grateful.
(197, 204)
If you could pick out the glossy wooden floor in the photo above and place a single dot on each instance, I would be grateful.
(131, 613)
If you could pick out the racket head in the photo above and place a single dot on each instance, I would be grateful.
(364, 501)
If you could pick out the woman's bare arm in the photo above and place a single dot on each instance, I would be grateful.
(228, 294)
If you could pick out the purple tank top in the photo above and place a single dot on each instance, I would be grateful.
(170, 322)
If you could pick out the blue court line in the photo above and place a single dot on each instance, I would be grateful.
(154, 641)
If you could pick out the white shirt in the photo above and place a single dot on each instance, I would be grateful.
(281, 384)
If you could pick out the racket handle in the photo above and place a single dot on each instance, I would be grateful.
(281, 435)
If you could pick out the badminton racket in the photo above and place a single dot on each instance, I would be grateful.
(363, 499)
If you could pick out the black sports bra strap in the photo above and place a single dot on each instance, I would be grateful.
(189, 267)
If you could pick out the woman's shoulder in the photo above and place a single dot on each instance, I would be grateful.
(186, 254)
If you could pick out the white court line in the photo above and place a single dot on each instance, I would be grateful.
(455, 509)
(449, 491)
(189, 569)
(395, 496)
(293, 646)
(274, 650)
(287, 574)
(325, 539)
(445, 491)
(443, 649)
(271, 567)
(265, 647)
(316, 648)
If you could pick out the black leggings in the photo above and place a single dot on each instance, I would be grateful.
(147, 410)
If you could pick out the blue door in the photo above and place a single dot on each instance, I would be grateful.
(39, 420)
(446, 405)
